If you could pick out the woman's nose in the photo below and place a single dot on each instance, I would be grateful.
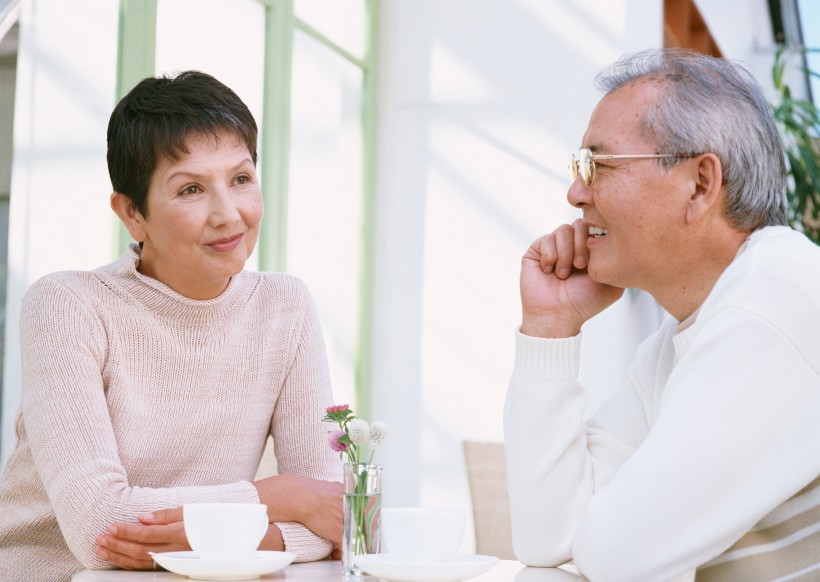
(579, 194)
(223, 207)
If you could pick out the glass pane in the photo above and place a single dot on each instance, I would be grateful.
(342, 21)
(324, 201)
(810, 21)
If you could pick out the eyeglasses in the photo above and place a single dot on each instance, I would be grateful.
(584, 164)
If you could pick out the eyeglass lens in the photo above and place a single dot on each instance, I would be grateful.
(584, 165)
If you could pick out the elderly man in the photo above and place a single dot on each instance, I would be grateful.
(706, 462)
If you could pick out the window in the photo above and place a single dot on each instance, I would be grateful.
(326, 225)
(8, 76)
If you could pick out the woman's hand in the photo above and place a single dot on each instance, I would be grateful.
(315, 504)
(323, 509)
(127, 544)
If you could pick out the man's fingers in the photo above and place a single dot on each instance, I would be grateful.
(561, 251)
(581, 250)
(565, 247)
(542, 253)
(547, 253)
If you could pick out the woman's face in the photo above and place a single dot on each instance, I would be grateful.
(204, 211)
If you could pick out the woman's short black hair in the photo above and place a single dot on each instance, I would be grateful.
(158, 116)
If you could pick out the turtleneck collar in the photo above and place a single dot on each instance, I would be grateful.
(161, 299)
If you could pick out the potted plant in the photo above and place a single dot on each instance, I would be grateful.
(798, 121)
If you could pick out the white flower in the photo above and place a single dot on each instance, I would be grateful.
(359, 431)
(378, 430)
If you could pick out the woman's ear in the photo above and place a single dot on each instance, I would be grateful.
(129, 215)
(708, 191)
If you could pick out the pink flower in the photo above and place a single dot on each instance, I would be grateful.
(339, 414)
(333, 441)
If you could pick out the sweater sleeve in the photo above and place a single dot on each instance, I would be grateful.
(736, 435)
(69, 427)
(732, 437)
(554, 461)
(297, 425)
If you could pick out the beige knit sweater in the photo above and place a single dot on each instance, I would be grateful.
(136, 398)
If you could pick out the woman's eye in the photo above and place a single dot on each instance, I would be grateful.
(244, 182)
(188, 190)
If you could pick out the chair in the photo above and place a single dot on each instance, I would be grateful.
(487, 477)
(267, 466)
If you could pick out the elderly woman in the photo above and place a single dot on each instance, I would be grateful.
(155, 381)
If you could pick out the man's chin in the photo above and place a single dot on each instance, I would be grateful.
(597, 274)
(605, 277)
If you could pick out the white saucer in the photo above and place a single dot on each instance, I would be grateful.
(191, 565)
(459, 568)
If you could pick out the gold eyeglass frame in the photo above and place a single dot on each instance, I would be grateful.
(584, 164)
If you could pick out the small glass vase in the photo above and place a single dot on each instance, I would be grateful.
(362, 513)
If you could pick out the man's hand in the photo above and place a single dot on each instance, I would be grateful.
(557, 295)
(127, 544)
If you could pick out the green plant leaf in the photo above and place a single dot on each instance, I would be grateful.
(798, 121)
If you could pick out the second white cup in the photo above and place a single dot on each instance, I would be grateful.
(224, 531)
(422, 534)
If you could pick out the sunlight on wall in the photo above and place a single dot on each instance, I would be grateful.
(456, 81)
(603, 24)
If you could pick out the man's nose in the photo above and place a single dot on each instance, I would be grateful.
(579, 194)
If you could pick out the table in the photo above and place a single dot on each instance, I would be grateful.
(327, 570)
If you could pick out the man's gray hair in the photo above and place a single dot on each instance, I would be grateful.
(713, 105)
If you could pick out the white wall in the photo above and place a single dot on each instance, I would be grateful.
(59, 217)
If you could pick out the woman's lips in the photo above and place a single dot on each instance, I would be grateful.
(227, 243)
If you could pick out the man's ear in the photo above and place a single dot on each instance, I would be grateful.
(129, 215)
(708, 188)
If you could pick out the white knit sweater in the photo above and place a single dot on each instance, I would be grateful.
(707, 458)
(136, 398)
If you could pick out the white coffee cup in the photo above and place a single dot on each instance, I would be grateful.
(423, 534)
(224, 531)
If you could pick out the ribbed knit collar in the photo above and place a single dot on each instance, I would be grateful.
(163, 300)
